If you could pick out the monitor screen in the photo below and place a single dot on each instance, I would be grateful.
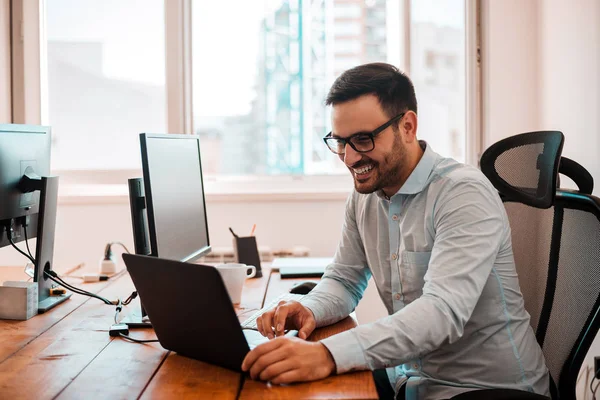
(177, 221)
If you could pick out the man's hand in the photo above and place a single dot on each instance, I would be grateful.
(287, 315)
(289, 359)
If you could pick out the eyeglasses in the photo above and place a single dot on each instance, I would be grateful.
(361, 142)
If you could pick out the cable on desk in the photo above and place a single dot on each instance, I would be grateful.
(118, 310)
(137, 340)
(128, 300)
(125, 302)
(52, 275)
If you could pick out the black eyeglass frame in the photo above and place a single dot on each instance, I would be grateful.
(371, 135)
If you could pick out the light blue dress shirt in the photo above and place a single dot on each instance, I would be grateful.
(440, 253)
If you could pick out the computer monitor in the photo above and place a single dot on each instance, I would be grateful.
(174, 190)
(168, 212)
(28, 199)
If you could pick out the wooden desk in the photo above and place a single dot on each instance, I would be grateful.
(67, 353)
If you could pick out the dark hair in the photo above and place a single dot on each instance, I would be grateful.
(393, 88)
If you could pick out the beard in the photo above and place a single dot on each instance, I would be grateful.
(384, 174)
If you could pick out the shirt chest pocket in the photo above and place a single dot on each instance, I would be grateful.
(414, 265)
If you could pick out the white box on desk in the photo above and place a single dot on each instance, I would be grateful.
(18, 300)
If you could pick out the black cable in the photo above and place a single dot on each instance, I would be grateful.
(122, 245)
(118, 310)
(130, 298)
(57, 279)
(62, 283)
(71, 288)
(76, 290)
(108, 249)
(27, 243)
(137, 340)
(9, 235)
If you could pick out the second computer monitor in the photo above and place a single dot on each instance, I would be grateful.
(174, 187)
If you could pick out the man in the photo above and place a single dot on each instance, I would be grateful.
(434, 235)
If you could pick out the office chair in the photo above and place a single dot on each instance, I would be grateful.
(556, 245)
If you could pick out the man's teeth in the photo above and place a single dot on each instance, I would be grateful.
(363, 170)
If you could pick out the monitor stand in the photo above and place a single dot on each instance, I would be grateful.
(48, 187)
(51, 301)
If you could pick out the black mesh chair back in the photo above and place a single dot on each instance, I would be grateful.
(556, 244)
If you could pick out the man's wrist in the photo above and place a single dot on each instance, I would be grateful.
(330, 360)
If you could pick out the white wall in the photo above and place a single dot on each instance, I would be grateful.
(542, 71)
(509, 68)
(569, 95)
(82, 230)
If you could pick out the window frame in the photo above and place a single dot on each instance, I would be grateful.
(5, 62)
(28, 17)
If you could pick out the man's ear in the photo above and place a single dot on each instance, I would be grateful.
(408, 126)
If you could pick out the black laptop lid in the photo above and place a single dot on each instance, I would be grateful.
(190, 309)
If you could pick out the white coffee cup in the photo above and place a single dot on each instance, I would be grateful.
(234, 275)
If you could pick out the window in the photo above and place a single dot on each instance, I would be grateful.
(351, 46)
(352, 28)
(260, 77)
(348, 10)
(106, 80)
(437, 68)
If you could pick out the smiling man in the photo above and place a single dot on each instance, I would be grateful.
(434, 236)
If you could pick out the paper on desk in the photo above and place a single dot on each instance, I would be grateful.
(299, 262)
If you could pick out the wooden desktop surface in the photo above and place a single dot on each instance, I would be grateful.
(67, 353)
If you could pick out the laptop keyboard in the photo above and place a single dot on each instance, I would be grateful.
(250, 323)
(254, 338)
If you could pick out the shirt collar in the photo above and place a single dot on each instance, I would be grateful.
(418, 178)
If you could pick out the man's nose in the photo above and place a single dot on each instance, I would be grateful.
(351, 156)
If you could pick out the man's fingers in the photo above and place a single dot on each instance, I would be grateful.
(259, 326)
(279, 319)
(307, 328)
(258, 352)
(275, 369)
(293, 375)
(266, 360)
(267, 323)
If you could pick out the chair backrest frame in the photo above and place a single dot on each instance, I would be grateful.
(545, 196)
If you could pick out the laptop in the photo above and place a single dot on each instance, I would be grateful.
(191, 311)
